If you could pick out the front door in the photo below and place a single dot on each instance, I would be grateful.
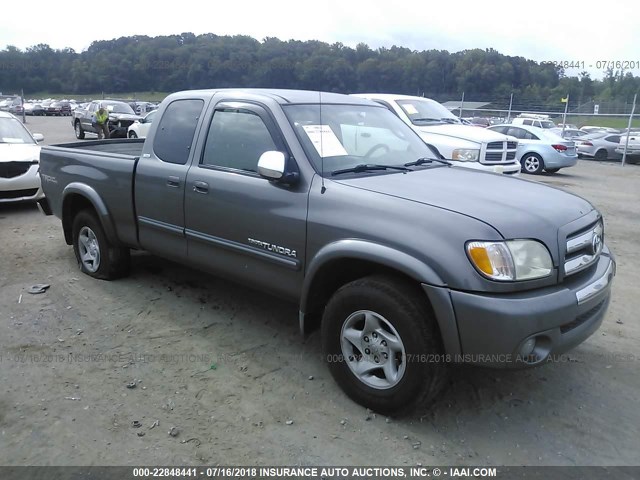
(237, 222)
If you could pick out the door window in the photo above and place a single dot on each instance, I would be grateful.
(175, 132)
(236, 139)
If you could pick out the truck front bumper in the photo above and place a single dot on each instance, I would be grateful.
(525, 329)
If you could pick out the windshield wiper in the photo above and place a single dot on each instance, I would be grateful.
(369, 167)
(425, 119)
(449, 120)
(423, 160)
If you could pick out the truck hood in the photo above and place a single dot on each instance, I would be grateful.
(464, 132)
(515, 207)
(19, 152)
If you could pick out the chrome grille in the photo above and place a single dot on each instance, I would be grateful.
(584, 248)
(499, 152)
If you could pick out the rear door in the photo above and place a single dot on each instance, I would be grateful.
(238, 223)
(160, 179)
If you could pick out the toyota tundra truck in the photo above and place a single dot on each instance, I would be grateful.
(407, 265)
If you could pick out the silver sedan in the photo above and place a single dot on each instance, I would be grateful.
(599, 145)
(540, 149)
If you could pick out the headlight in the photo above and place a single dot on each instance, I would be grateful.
(511, 260)
(465, 155)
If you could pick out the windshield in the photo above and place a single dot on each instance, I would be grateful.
(117, 107)
(424, 111)
(345, 136)
(547, 124)
(12, 131)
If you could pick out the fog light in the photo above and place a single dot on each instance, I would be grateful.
(528, 347)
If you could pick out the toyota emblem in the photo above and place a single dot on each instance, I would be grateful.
(596, 244)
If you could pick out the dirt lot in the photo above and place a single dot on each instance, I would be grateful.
(226, 367)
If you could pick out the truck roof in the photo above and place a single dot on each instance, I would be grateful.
(390, 96)
(281, 96)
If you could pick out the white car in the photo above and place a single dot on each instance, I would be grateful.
(19, 161)
(633, 149)
(463, 145)
(140, 128)
(540, 149)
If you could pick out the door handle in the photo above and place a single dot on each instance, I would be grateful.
(173, 181)
(200, 187)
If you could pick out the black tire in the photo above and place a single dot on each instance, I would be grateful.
(112, 262)
(402, 305)
(133, 134)
(78, 130)
(601, 155)
(552, 170)
(532, 163)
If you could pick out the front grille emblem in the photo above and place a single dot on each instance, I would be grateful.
(596, 243)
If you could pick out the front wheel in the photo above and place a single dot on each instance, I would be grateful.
(79, 130)
(532, 163)
(95, 255)
(132, 134)
(383, 345)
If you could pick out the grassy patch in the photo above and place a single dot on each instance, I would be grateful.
(597, 121)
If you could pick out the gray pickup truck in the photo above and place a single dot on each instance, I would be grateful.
(121, 116)
(407, 264)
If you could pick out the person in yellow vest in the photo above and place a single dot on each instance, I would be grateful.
(102, 122)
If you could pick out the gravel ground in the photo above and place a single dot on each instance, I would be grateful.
(99, 373)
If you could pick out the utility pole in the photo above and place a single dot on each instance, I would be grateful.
(626, 143)
(461, 105)
(564, 117)
(24, 118)
(510, 105)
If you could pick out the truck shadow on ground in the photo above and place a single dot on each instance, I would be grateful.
(7, 209)
(471, 391)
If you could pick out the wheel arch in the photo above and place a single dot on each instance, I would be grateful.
(78, 197)
(344, 261)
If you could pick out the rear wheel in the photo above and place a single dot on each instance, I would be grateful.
(79, 130)
(601, 155)
(383, 345)
(95, 255)
(532, 163)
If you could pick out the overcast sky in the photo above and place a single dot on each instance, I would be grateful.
(542, 30)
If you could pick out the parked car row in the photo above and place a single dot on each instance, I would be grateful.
(591, 141)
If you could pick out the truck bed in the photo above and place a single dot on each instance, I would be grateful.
(88, 167)
(121, 146)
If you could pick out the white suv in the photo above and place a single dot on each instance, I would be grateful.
(540, 121)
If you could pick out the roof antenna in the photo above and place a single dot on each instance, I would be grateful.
(323, 189)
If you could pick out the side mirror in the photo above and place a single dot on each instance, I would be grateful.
(271, 165)
(38, 137)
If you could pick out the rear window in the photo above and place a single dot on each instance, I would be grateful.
(175, 132)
